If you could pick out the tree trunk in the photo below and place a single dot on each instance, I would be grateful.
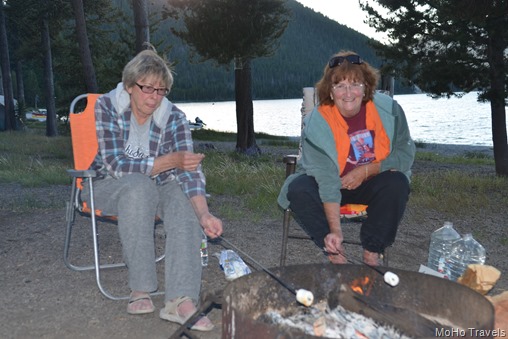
(245, 138)
(388, 84)
(140, 9)
(84, 47)
(51, 129)
(10, 117)
(496, 46)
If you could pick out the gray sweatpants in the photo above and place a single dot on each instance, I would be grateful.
(136, 199)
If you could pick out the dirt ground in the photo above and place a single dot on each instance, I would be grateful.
(42, 298)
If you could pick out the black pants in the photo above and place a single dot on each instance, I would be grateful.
(386, 195)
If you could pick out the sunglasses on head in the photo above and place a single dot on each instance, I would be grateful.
(337, 60)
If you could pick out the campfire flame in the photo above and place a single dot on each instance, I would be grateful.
(362, 285)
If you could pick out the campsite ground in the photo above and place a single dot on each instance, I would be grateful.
(42, 298)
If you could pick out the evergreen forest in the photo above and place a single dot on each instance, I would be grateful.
(307, 44)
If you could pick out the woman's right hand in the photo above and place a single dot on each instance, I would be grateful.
(334, 247)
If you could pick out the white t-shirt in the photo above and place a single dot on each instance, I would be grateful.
(137, 146)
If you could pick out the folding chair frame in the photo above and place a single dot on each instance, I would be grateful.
(74, 207)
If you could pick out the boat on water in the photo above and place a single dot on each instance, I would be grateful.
(197, 124)
(39, 115)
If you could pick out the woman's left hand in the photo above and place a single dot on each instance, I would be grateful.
(354, 178)
(359, 175)
(211, 225)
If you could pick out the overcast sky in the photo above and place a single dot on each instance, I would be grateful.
(346, 12)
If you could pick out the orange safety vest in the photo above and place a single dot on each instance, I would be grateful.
(339, 128)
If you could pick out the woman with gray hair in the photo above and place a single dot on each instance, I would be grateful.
(146, 167)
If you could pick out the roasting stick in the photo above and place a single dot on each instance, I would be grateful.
(389, 277)
(303, 296)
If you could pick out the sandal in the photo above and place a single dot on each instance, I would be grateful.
(171, 313)
(134, 303)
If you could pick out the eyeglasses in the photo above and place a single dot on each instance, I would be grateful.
(355, 87)
(337, 60)
(150, 89)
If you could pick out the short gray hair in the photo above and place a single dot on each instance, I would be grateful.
(147, 63)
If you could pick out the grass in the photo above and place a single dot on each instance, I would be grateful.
(468, 158)
(253, 183)
(451, 190)
(32, 159)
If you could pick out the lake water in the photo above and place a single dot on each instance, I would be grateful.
(445, 121)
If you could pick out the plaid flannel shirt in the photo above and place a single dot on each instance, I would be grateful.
(172, 136)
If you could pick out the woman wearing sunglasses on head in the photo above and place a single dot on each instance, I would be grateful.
(356, 149)
(146, 167)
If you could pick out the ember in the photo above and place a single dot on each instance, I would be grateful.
(335, 323)
(362, 285)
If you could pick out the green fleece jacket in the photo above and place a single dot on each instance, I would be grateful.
(319, 155)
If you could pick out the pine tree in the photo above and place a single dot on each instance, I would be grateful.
(235, 31)
(448, 48)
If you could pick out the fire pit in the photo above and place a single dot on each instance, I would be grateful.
(420, 306)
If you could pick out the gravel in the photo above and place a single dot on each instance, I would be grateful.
(42, 298)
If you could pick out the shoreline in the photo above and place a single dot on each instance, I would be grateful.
(448, 150)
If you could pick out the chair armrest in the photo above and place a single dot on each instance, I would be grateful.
(290, 161)
(82, 174)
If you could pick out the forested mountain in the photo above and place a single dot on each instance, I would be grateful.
(307, 44)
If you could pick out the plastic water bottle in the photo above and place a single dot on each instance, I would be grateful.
(464, 252)
(440, 247)
(204, 250)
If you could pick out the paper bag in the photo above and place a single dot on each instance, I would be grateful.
(480, 278)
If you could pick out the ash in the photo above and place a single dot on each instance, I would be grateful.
(320, 321)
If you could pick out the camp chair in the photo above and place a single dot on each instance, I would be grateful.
(350, 214)
(84, 147)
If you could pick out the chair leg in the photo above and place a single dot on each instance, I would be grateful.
(70, 218)
(97, 266)
(70, 215)
(285, 234)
